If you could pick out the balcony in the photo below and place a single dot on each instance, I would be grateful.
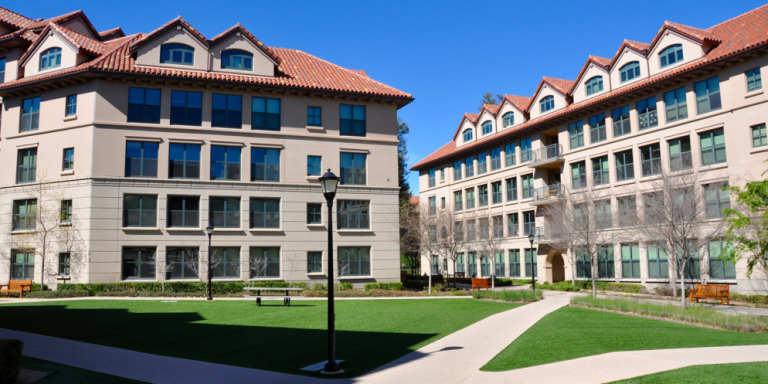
(543, 235)
(550, 156)
(548, 194)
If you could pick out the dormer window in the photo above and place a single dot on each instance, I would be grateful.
(547, 104)
(51, 58)
(509, 119)
(594, 85)
(468, 135)
(177, 54)
(630, 71)
(236, 59)
(671, 55)
(487, 127)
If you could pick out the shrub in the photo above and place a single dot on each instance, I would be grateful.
(10, 360)
(394, 286)
(754, 299)
(36, 287)
(614, 287)
(174, 288)
(515, 295)
(56, 294)
(559, 286)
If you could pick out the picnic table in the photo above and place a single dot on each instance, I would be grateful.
(286, 301)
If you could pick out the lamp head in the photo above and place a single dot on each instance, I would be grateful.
(531, 238)
(209, 229)
(329, 182)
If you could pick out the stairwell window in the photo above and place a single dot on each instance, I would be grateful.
(630, 71)
(547, 104)
(671, 55)
(594, 85)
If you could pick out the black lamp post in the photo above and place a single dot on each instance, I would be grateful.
(209, 231)
(329, 182)
(533, 265)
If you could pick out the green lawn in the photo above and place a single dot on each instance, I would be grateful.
(570, 333)
(63, 374)
(369, 334)
(707, 374)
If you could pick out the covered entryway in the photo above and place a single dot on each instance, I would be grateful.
(555, 267)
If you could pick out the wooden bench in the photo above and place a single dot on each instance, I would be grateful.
(711, 290)
(258, 295)
(16, 286)
(479, 283)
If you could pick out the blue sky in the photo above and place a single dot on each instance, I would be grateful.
(446, 53)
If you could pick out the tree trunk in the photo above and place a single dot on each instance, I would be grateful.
(454, 273)
(429, 281)
(682, 285)
(42, 272)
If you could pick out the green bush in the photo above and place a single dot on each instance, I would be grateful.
(559, 286)
(56, 294)
(753, 299)
(36, 287)
(394, 286)
(614, 287)
(174, 288)
(515, 295)
(10, 360)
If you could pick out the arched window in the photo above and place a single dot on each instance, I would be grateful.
(509, 118)
(630, 71)
(468, 135)
(487, 127)
(237, 59)
(177, 54)
(594, 85)
(51, 58)
(671, 55)
(547, 103)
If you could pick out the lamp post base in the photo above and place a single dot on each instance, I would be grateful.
(331, 369)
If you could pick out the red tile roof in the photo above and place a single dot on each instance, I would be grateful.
(601, 62)
(738, 35)
(559, 85)
(700, 35)
(239, 28)
(472, 117)
(414, 200)
(519, 102)
(42, 23)
(80, 42)
(641, 48)
(14, 19)
(157, 32)
(110, 33)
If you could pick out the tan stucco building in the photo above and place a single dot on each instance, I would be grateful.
(691, 99)
(148, 138)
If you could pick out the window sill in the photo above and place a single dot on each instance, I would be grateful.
(63, 277)
(356, 277)
(624, 182)
(70, 118)
(601, 186)
(315, 128)
(139, 229)
(277, 278)
(68, 172)
(315, 225)
(714, 166)
(354, 231)
(313, 178)
(759, 149)
(67, 224)
(753, 94)
(316, 274)
(183, 229)
(22, 231)
(227, 229)
(266, 230)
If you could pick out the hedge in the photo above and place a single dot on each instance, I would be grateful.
(395, 286)
(56, 294)
(218, 287)
(10, 360)
(607, 286)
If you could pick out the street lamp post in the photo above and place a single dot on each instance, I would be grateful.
(533, 265)
(329, 182)
(209, 231)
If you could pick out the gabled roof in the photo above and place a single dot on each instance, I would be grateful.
(519, 102)
(14, 19)
(699, 35)
(62, 19)
(112, 33)
(239, 28)
(560, 85)
(601, 62)
(167, 26)
(640, 48)
(80, 42)
(471, 117)
(493, 109)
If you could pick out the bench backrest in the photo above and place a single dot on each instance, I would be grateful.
(479, 282)
(19, 284)
(713, 289)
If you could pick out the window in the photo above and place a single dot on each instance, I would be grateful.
(143, 105)
(495, 159)
(265, 114)
(68, 161)
(603, 214)
(531, 265)
(647, 116)
(184, 161)
(467, 135)
(658, 264)
(712, 147)
(485, 266)
(719, 268)
(442, 203)
(458, 230)
(432, 206)
(458, 200)
(498, 226)
(236, 59)
(597, 128)
(354, 261)
(509, 155)
(514, 262)
(605, 262)
(140, 211)
(513, 225)
(529, 223)
(352, 121)
(484, 228)
(680, 154)
(583, 264)
(71, 105)
(496, 192)
(354, 214)
(226, 111)
(50, 58)
(527, 186)
(184, 262)
(579, 175)
(314, 165)
(759, 136)
(469, 167)
(754, 80)
(547, 104)
(627, 211)
(512, 189)
(30, 114)
(353, 168)
(183, 211)
(525, 150)
(470, 198)
(26, 168)
(23, 266)
(265, 213)
(431, 178)
(186, 108)
(141, 159)
(24, 215)
(651, 159)
(265, 262)
(229, 262)
(482, 163)
(671, 55)
(576, 134)
(314, 262)
(630, 71)
(600, 173)
(509, 118)
(225, 212)
(138, 263)
(457, 170)
(265, 164)
(2, 70)
(625, 166)
(692, 267)
(708, 95)
(630, 261)
(460, 263)
(65, 213)
(225, 162)
(482, 194)
(676, 105)
(177, 54)
(471, 230)
(716, 199)
(64, 261)
(621, 125)
(315, 116)
(594, 85)
(314, 213)
(487, 127)
(442, 174)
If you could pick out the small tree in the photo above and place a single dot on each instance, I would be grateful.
(410, 240)
(194, 260)
(747, 225)
(491, 236)
(163, 267)
(450, 241)
(428, 234)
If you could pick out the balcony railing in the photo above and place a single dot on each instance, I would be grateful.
(548, 194)
(547, 154)
(542, 234)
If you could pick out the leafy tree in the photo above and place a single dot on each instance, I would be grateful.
(747, 227)
(402, 160)
(491, 98)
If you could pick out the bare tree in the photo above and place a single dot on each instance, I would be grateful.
(428, 234)
(491, 236)
(164, 267)
(450, 242)
(197, 262)
(409, 232)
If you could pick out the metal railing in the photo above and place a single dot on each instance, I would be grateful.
(542, 234)
(552, 192)
(546, 154)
